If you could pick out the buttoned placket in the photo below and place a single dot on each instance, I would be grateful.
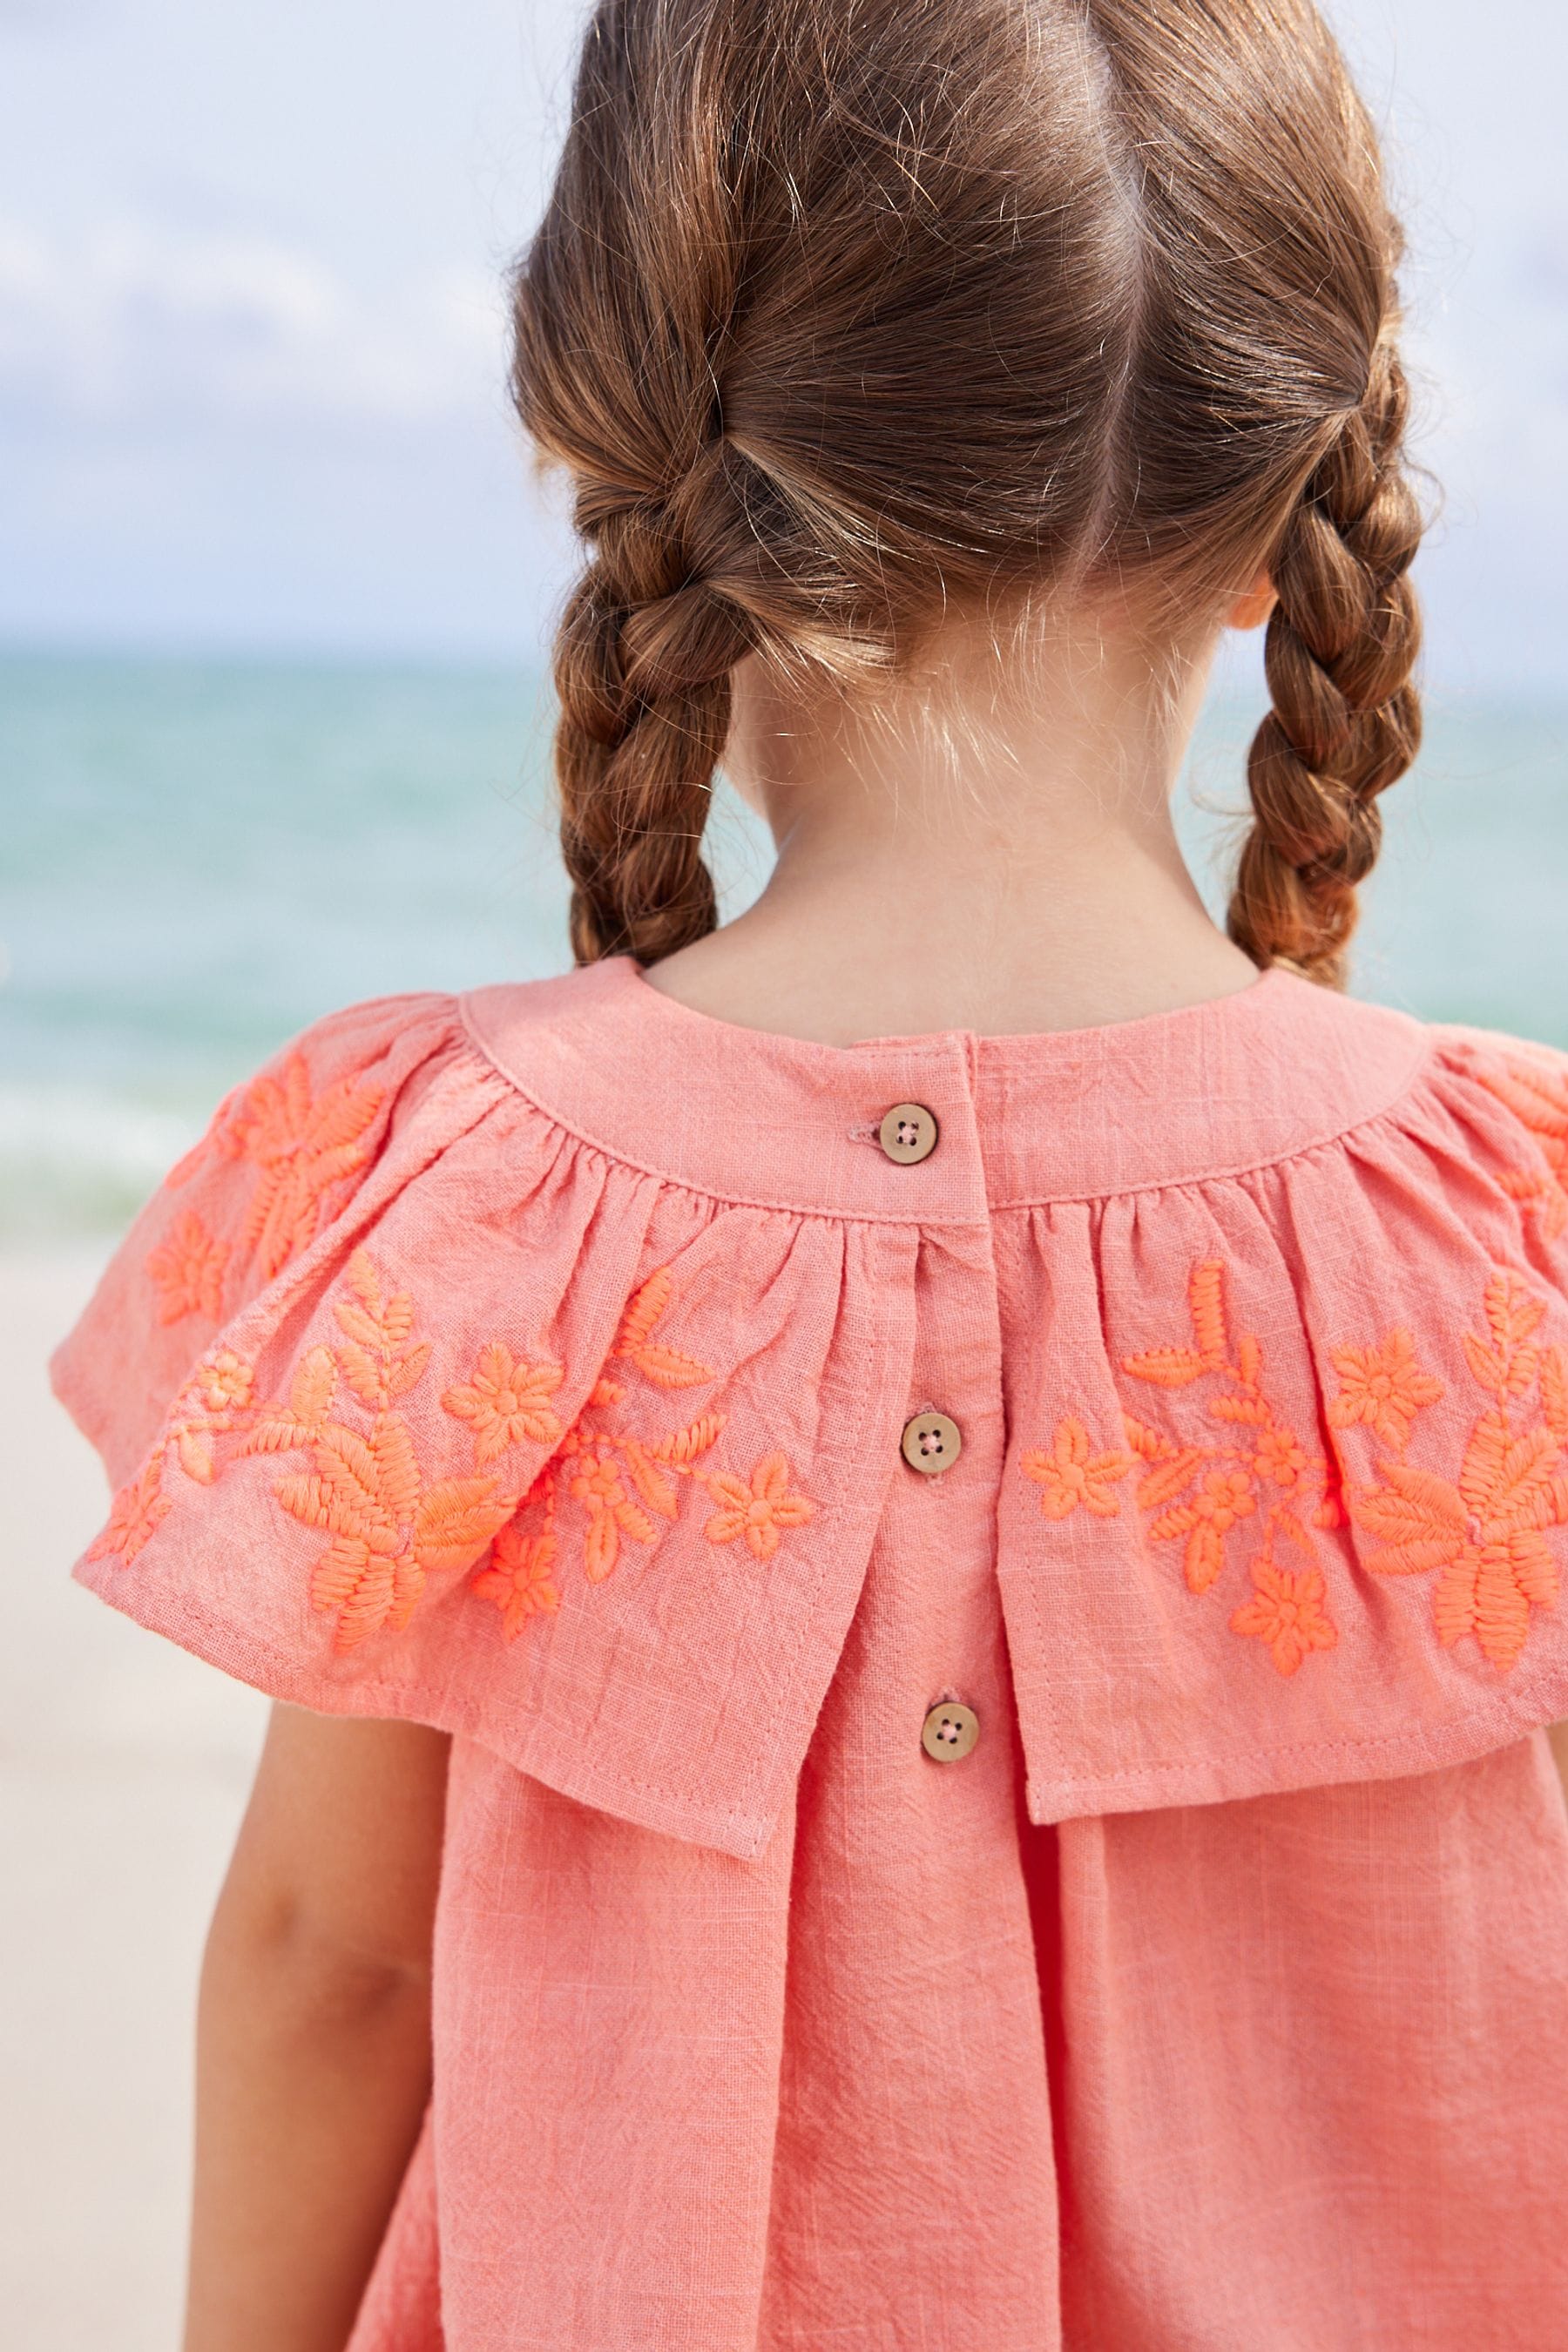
(946, 1529)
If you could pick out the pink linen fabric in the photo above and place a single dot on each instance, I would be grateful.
(535, 1365)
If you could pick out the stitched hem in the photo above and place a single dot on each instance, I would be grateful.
(1307, 1764)
(237, 1652)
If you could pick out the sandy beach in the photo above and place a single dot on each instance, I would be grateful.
(123, 1768)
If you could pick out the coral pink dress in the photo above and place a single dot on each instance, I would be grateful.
(996, 1601)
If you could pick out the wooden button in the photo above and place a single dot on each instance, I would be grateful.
(908, 1133)
(950, 1732)
(931, 1442)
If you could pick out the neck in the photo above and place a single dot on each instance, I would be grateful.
(988, 846)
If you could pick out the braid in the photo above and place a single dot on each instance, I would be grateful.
(1346, 720)
(642, 671)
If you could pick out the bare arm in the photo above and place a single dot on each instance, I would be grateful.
(313, 2035)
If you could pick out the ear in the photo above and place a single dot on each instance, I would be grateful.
(1252, 608)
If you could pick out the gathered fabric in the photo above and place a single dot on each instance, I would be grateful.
(684, 1418)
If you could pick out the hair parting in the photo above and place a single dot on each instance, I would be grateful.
(844, 318)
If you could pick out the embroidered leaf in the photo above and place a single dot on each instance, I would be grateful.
(1506, 1478)
(1511, 1312)
(601, 1545)
(1168, 1368)
(363, 1373)
(311, 1391)
(644, 1312)
(1206, 1294)
(319, 1503)
(397, 1470)
(1249, 1359)
(1204, 1556)
(1420, 1518)
(1164, 1484)
(1174, 1523)
(1245, 1411)
(408, 1369)
(364, 1328)
(689, 1443)
(364, 1282)
(1147, 1441)
(1485, 1365)
(456, 1520)
(195, 1454)
(637, 1523)
(667, 1367)
(653, 1483)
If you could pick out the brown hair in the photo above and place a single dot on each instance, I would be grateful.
(846, 310)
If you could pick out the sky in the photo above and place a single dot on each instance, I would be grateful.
(252, 344)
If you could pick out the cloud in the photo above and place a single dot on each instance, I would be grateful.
(136, 322)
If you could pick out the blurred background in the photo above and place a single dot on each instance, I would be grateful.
(275, 588)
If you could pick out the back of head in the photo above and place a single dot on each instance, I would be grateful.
(843, 316)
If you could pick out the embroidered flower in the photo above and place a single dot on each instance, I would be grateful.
(1486, 1532)
(390, 1526)
(1197, 1489)
(223, 1383)
(1287, 1613)
(137, 1512)
(598, 1485)
(756, 1511)
(1071, 1475)
(1206, 1518)
(1281, 1457)
(1382, 1386)
(519, 1577)
(624, 1481)
(505, 1402)
(187, 1270)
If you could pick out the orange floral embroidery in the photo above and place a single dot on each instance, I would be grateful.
(1538, 1096)
(302, 1145)
(390, 1526)
(625, 1484)
(1197, 1491)
(519, 1577)
(135, 1515)
(187, 1269)
(1287, 1613)
(1383, 1387)
(1487, 1532)
(1073, 1476)
(1200, 1493)
(505, 1402)
(756, 1511)
(218, 1401)
(666, 1367)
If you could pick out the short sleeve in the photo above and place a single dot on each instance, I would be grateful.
(419, 1405)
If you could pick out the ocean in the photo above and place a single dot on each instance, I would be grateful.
(201, 857)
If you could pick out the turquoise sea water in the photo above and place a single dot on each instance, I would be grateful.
(196, 859)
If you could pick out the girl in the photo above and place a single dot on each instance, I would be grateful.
(911, 1552)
